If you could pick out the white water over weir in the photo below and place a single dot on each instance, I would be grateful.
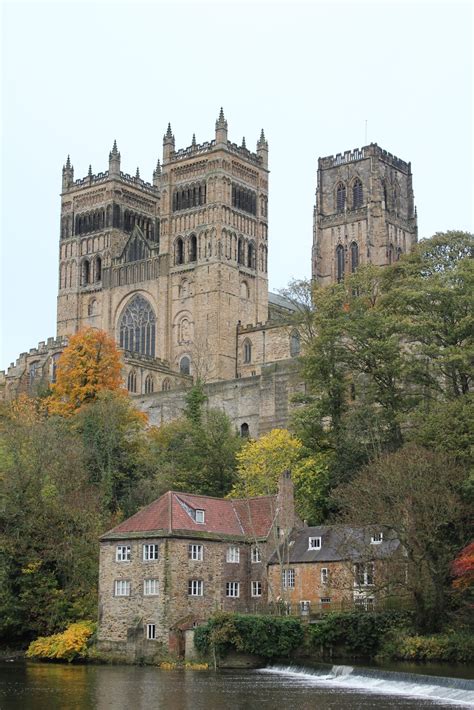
(439, 689)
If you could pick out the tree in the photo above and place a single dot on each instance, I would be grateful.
(463, 568)
(416, 494)
(88, 365)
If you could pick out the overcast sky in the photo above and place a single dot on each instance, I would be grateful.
(77, 75)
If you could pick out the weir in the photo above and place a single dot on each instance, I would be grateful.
(458, 691)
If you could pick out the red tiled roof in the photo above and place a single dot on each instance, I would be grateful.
(249, 516)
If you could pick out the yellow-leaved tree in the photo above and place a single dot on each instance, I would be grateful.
(89, 365)
(262, 461)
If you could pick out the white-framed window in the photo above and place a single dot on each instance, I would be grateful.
(305, 606)
(233, 554)
(150, 552)
(122, 588)
(364, 574)
(314, 543)
(151, 587)
(376, 538)
(325, 600)
(324, 575)
(232, 589)
(200, 516)
(151, 632)
(288, 576)
(195, 588)
(256, 555)
(122, 553)
(256, 589)
(195, 552)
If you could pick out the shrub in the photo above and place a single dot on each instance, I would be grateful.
(456, 647)
(66, 646)
(267, 636)
(360, 633)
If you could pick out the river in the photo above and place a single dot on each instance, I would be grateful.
(38, 686)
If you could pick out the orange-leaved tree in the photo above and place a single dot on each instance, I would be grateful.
(88, 365)
(463, 568)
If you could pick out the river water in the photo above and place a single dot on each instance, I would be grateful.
(38, 686)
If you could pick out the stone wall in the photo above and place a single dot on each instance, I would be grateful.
(263, 402)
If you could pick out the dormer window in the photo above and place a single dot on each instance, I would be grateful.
(314, 543)
(199, 516)
(376, 538)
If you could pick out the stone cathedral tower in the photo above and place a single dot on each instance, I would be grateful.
(169, 268)
(364, 212)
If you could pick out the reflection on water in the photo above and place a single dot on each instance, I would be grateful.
(28, 686)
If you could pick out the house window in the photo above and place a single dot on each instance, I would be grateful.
(314, 543)
(200, 516)
(233, 554)
(122, 553)
(150, 552)
(232, 589)
(151, 632)
(256, 589)
(288, 576)
(305, 607)
(325, 601)
(247, 351)
(256, 554)
(195, 587)
(324, 575)
(195, 552)
(376, 538)
(150, 587)
(122, 588)
(364, 574)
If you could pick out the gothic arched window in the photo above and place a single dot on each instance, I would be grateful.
(137, 327)
(247, 351)
(357, 194)
(193, 248)
(240, 251)
(85, 272)
(92, 307)
(149, 384)
(185, 365)
(54, 366)
(98, 269)
(390, 254)
(179, 252)
(341, 197)
(132, 381)
(244, 430)
(354, 256)
(340, 263)
(166, 386)
(251, 256)
(33, 372)
(295, 344)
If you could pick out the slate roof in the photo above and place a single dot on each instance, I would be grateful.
(338, 542)
(274, 299)
(173, 512)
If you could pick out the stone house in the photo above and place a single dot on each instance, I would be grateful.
(336, 567)
(183, 557)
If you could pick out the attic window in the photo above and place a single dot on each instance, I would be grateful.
(199, 516)
(376, 538)
(314, 543)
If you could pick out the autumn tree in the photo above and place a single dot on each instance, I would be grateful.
(463, 568)
(88, 365)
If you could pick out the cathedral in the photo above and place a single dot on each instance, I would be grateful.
(175, 270)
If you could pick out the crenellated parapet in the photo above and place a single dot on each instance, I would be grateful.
(351, 156)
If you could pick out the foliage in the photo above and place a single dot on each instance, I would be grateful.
(455, 647)
(416, 494)
(267, 636)
(115, 448)
(69, 645)
(463, 568)
(50, 520)
(88, 365)
(356, 633)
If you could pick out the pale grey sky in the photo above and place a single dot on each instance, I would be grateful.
(77, 75)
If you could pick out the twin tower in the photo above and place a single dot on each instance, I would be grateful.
(176, 269)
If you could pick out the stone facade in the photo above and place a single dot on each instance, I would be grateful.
(364, 212)
(197, 567)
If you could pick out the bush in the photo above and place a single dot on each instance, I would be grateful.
(456, 647)
(267, 636)
(66, 646)
(359, 633)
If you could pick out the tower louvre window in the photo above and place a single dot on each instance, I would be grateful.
(357, 194)
(341, 197)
